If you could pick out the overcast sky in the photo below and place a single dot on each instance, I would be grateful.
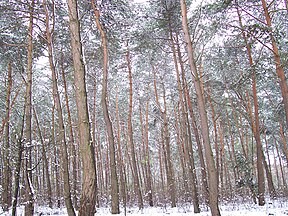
(140, 1)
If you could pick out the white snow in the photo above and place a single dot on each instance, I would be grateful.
(276, 208)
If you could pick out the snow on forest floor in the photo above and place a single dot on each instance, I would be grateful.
(276, 208)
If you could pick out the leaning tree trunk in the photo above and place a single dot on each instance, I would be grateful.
(89, 185)
(121, 164)
(187, 100)
(255, 119)
(18, 164)
(114, 179)
(212, 174)
(279, 65)
(48, 192)
(186, 129)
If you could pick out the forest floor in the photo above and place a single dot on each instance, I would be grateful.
(276, 208)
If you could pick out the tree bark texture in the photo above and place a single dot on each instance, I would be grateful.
(71, 137)
(88, 194)
(29, 207)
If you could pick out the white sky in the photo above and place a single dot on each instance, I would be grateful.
(140, 1)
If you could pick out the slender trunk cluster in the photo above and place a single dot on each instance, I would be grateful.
(166, 144)
(114, 178)
(136, 181)
(212, 172)
(62, 134)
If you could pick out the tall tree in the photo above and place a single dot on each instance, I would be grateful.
(147, 155)
(212, 174)
(277, 58)
(186, 129)
(114, 179)
(7, 174)
(71, 137)
(17, 176)
(136, 181)
(29, 207)
(57, 102)
(88, 195)
(45, 161)
(255, 119)
(166, 144)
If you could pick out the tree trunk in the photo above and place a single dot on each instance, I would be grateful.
(137, 188)
(194, 126)
(120, 158)
(48, 193)
(17, 176)
(146, 151)
(71, 138)
(222, 159)
(94, 137)
(160, 157)
(216, 144)
(255, 120)
(89, 185)
(271, 187)
(167, 148)
(276, 171)
(29, 206)
(114, 179)
(212, 174)
(232, 150)
(149, 173)
(285, 188)
(192, 170)
(57, 102)
(182, 154)
(279, 65)
(56, 160)
(7, 172)
(256, 133)
(186, 130)
(284, 142)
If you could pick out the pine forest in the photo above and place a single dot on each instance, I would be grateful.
(142, 103)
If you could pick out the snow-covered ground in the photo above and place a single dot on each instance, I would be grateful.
(276, 208)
